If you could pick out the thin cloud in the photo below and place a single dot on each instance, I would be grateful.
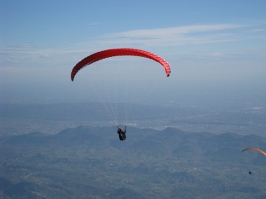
(195, 34)
(176, 30)
(148, 38)
(257, 30)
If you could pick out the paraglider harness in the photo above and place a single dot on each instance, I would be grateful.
(121, 133)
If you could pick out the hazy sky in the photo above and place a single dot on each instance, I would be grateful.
(205, 42)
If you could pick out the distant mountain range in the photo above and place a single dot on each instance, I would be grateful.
(46, 117)
(91, 162)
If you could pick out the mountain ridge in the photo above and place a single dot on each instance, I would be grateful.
(87, 162)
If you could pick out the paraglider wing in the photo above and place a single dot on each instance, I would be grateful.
(255, 149)
(119, 52)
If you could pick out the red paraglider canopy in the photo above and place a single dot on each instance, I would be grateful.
(256, 149)
(119, 52)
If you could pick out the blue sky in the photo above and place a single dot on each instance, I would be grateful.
(217, 42)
